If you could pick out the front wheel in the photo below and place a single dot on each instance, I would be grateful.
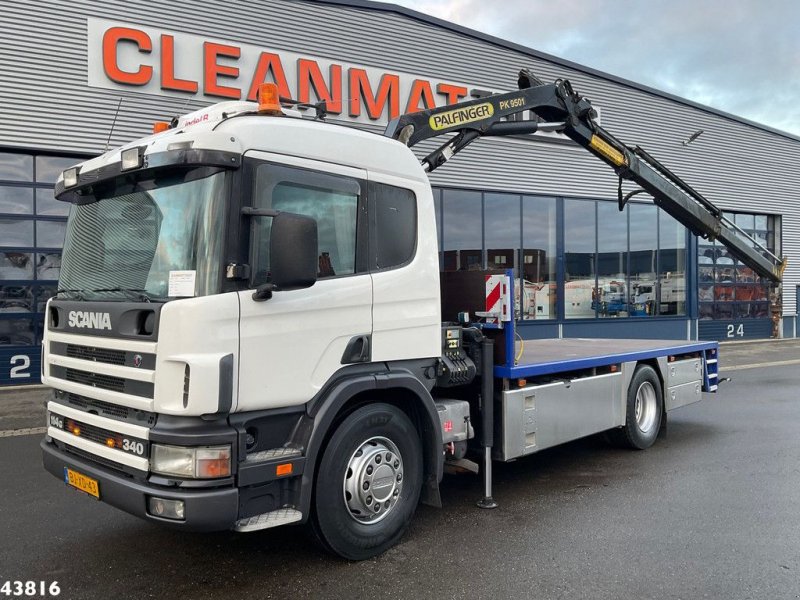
(368, 482)
(643, 411)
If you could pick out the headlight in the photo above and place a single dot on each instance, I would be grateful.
(194, 463)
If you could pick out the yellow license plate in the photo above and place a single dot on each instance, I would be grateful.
(82, 482)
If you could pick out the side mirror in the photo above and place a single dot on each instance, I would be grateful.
(293, 252)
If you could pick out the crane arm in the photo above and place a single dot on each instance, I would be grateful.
(561, 109)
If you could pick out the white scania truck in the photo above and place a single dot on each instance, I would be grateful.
(252, 329)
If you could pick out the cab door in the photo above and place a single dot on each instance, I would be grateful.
(294, 342)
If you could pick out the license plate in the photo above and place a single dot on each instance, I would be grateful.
(82, 482)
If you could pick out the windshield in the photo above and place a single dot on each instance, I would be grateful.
(153, 240)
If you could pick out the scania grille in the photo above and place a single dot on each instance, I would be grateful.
(99, 435)
(106, 382)
(102, 355)
(106, 409)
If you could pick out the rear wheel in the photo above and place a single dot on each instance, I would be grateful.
(368, 482)
(643, 411)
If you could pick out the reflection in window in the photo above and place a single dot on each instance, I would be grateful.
(48, 168)
(15, 232)
(330, 200)
(501, 230)
(611, 298)
(461, 230)
(16, 167)
(16, 299)
(643, 285)
(16, 265)
(48, 266)
(737, 291)
(48, 206)
(17, 332)
(538, 258)
(579, 258)
(672, 257)
(16, 200)
(50, 234)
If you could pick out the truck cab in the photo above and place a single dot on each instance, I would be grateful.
(225, 284)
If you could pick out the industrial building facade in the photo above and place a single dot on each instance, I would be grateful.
(79, 77)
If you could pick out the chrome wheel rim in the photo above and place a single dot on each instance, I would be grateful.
(646, 407)
(373, 480)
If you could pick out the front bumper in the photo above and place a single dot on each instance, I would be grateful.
(205, 510)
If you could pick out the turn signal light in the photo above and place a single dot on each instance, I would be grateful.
(160, 126)
(284, 469)
(269, 101)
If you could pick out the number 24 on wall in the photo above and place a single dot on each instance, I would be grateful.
(734, 331)
(20, 363)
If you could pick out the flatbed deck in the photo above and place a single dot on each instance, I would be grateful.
(548, 356)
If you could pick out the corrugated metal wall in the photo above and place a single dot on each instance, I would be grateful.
(47, 104)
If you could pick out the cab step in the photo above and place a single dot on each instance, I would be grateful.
(275, 518)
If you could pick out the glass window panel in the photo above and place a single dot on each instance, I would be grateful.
(17, 332)
(50, 234)
(706, 293)
(724, 310)
(761, 222)
(745, 221)
(14, 232)
(16, 200)
(48, 168)
(16, 299)
(44, 293)
(16, 167)
(579, 258)
(724, 292)
(644, 259)
(672, 261)
(502, 230)
(706, 311)
(461, 231)
(706, 274)
(48, 206)
(611, 298)
(760, 310)
(743, 310)
(539, 283)
(16, 265)
(48, 266)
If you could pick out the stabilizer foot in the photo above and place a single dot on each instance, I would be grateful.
(486, 503)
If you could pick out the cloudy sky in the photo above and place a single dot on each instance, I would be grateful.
(740, 56)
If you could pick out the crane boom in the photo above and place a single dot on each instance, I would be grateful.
(564, 111)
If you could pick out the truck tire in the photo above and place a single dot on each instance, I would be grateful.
(644, 408)
(368, 482)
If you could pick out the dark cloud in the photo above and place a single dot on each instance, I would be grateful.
(739, 56)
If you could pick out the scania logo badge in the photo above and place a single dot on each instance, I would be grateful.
(137, 360)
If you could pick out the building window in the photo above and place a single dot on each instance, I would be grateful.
(580, 258)
(539, 287)
(727, 289)
(462, 237)
(629, 264)
(32, 226)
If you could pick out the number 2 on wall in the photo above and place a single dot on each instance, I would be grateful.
(19, 365)
(735, 331)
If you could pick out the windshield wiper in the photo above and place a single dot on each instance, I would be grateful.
(141, 294)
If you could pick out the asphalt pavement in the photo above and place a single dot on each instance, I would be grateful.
(709, 512)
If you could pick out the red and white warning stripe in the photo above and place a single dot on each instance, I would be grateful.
(498, 300)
